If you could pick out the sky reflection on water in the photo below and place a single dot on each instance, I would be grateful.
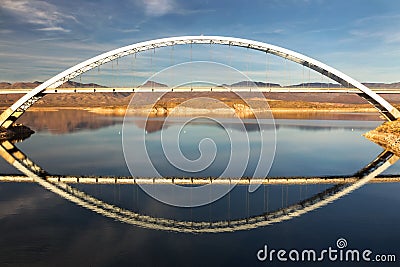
(304, 147)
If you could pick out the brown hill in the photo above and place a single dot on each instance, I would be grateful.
(4, 85)
(69, 84)
(383, 85)
(253, 83)
(153, 84)
(72, 84)
(172, 99)
(395, 85)
(19, 85)
(31, 85)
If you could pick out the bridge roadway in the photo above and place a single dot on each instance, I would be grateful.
(199, 181)
(201, 89)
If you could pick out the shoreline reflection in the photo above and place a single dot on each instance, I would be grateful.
(69, 121)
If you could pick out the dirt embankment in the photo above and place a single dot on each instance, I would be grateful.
(275, 100)
(293, 105)
(387, 135)
(192, 103)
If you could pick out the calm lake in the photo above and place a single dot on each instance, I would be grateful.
(40, 228)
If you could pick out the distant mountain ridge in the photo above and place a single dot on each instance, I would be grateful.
(314, 84)
(72, 84)
(252, 83)
(19, 85)
(30, 85)
(383, 85)
(153, 84)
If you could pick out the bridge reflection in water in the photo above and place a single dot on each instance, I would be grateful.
(59, 185)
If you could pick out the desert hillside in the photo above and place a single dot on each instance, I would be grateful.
(296, 101)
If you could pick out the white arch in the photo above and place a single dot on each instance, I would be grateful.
(18, 108)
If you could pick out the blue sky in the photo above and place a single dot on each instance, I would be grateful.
(39, 39)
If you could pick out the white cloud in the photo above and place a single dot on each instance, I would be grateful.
(5, 31)
(383, 27)
(378, 18)
(59, 29)
(388, 36)
(128, 30)
(272, 31)
(159, 7)
(39, 13)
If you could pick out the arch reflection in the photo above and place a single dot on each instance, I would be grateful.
(32, 171)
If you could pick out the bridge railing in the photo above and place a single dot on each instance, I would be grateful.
(200, 89)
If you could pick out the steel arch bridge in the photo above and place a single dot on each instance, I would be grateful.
(9, 116)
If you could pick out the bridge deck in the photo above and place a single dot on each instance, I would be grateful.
(200, 89)
(199, 181)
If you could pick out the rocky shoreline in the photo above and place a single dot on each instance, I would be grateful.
(387, 135)
(16, 131)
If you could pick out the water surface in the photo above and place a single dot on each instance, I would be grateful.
(39, 228)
